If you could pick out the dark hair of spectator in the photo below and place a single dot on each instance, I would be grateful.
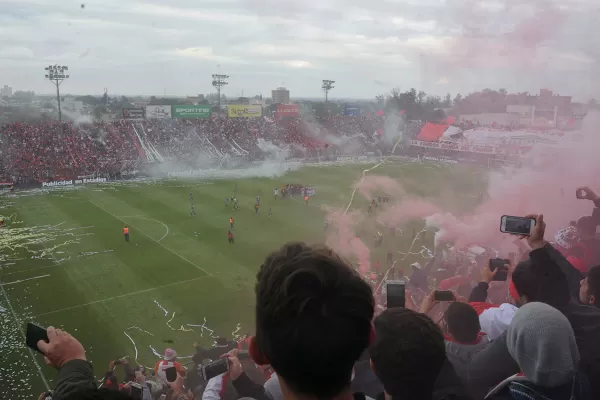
(462, 322)
(313, 318)
(554, 292)
(593, 281)
(408, 353)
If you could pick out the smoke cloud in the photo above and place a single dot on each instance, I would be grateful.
(545, 183)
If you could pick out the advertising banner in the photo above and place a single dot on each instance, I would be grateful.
(134, 113)
(351, 110)
(287, 110)
(159, 112)
(74, 182)
(187, 111)
(470, 148)
(244, 111)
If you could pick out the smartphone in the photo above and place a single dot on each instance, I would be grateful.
(35, 333)
(215, 368)
(135, 391)
(517, 225)
(443, 295)
(396, 294)
(171, 374)
(500, 264)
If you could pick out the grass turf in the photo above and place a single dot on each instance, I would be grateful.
(101, 288)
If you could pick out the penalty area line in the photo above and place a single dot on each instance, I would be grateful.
(121, 296)
(151, 238)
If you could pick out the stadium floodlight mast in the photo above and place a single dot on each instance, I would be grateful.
(327, 86)
(218, 82)
(57, 74)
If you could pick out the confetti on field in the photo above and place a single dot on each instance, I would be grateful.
(162, 308)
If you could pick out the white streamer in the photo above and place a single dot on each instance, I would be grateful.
(161, 307)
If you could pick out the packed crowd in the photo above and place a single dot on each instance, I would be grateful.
(51, 150)
(323, 333)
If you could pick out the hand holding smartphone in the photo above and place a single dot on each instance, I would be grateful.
(500, 265)
(215, 368)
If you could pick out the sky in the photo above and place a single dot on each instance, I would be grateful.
(156, 47)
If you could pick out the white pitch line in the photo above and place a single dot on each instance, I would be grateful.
(23, 280)
(154, 240)
(18, 322)
(121, 296)
(150, 219)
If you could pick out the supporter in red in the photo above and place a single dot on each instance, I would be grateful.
(169, 360)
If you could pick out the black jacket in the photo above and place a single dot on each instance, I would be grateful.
(492, 364)
(75, 376)
(584, 319)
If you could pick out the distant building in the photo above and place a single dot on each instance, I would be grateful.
(280, 96)
(545, 110)
(6, 91)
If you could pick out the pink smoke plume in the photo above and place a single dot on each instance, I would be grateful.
(342, 238)
(545, 183)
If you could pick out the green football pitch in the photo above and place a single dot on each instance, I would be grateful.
(65, 262)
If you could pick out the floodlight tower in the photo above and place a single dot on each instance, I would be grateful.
(327, 86)
(219, 80)
(57, 74)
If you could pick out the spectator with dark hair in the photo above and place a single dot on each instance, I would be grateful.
(313, 320)
(589, 292)
(408, 357)
(462, 323)
(540, 339)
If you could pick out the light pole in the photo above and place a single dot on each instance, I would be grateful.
(218, 82)
(56, 75)
(327, 86)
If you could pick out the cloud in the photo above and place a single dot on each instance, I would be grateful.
(151, 45)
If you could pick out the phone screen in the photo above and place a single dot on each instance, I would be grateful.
(171, 374)
(215, 369)
(444, 295)
(500, 264)
(396, 293)
(517, 225)
(136, 391)
(35, 333)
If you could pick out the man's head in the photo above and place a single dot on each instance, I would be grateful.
(462, 322)
(532, 286)
(170, 355)
(313, 319)
(589, 291)
(541, 341)
(586, 227)
(408, 353)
